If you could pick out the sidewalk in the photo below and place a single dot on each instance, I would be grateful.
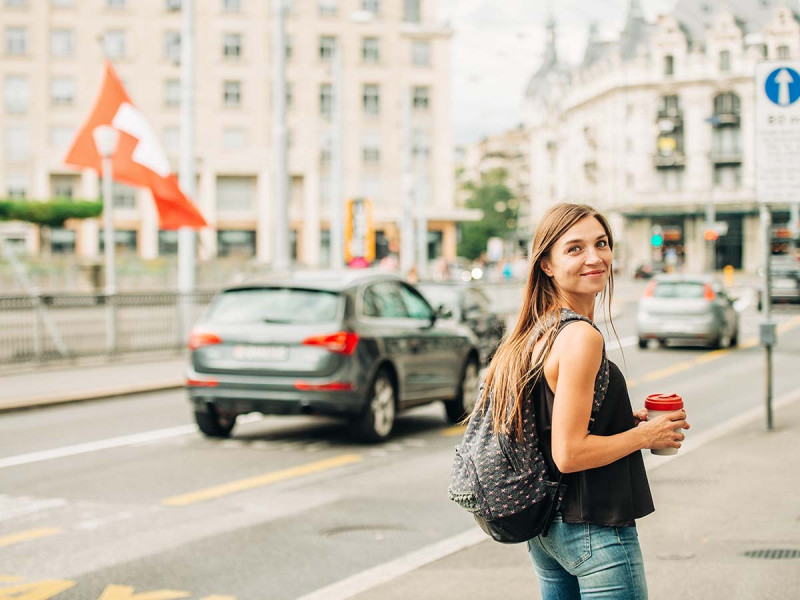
(57, 385)
(738, 493)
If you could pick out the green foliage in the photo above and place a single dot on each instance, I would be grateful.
(492, 193)
(49, 213)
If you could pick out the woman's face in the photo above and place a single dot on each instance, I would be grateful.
(580, 260)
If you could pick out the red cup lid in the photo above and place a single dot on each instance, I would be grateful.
(663, 402)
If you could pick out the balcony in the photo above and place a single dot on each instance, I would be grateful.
(725, 156)
(725, 119)
(670, 114)
(674, 160)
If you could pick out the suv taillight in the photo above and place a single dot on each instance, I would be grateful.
(341, 342)
(650, 289)
(199, 338)
(708, 292)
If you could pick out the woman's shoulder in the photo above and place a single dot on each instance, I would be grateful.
(579, 335)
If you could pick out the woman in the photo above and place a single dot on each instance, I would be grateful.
(592, 549)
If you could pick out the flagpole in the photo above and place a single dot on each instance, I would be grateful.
(186, 236)
(280, 172)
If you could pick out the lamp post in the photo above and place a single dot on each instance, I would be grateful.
(106, 138)
(280, 169)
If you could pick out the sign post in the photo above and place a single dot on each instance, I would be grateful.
(777, 88)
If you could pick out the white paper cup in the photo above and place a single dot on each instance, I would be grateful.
(661, 404)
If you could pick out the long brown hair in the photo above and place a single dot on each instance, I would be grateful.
(514, 366)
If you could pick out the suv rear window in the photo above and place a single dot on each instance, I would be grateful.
(682, 289)
(276, 305)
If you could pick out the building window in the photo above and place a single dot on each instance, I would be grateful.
(232, 93)
(233, 138)
(124, 196)
(61, 137)
(370, 49)
(288, 47)
(62, 241)
(63, 3)
(62, 42)
(16, 41)
(235, 193)
(63, 186)
(326, 100)
(289, 95)
(411, 11)
(419, 146)
(124, 241)
(171, 137)
(17, 94)
(728, 177)
(167, 242)
(371, 148)
(232, 45)
(727, 103)
(16, 2)
(115, 3)
(669, 65)
(114, 43)
(172, 92)
(233, 242)
(421, 53)
(420, 98)
(17, 143)
(725, 61)
(232, 6)
(62, 91)
(327, 8)
(372, 99)
(17, 186)
(172, 46)
(325, 150)
(671, 180)
(327, 46)
(373, 6)
(173, 5)
(783, 52)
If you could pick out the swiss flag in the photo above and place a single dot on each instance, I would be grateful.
(139, 160)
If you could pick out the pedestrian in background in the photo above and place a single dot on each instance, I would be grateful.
(592, 549)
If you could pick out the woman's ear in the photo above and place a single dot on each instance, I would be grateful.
(546, 268)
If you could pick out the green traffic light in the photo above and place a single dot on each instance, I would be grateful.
(657, 240)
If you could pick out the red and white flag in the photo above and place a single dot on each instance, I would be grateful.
(139, 159)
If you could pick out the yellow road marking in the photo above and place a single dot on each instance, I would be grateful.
(37, 590)
(454, 431)
(666, 372)
(713, 355)
(261, 480)
(124, 592)
(26, 536)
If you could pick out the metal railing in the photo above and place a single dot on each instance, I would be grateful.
(53, 327)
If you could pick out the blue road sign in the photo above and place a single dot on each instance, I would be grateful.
(783, 86)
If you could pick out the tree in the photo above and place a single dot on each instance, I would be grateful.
(495, 199)
(49, 213)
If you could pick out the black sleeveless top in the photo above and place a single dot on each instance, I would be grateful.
(615, 494)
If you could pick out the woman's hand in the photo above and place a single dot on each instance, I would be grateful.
(639, 416)
(664, 431)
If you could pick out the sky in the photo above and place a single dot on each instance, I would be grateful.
(498, 44)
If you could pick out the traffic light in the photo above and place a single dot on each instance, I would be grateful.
(656, 236)
(710, 235)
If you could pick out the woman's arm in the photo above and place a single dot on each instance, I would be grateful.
(578, 350)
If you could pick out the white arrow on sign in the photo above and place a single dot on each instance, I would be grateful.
(783, 79)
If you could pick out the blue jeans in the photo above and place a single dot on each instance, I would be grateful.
(578, 561)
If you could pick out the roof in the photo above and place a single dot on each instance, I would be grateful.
(328, 279)
(697, 15)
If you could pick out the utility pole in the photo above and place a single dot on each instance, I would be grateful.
(280, 170)
(187, 238)
(421, 197)
(407, 222)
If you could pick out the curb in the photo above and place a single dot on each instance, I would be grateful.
(96, 394)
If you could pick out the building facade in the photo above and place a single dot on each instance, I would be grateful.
(395, 99)
(656, 128)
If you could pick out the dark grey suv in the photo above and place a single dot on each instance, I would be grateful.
(356, 344)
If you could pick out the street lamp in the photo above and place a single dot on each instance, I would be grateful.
(106, 138)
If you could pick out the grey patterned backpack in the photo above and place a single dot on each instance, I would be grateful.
(506, 484)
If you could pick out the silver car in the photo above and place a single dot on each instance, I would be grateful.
(687, 308)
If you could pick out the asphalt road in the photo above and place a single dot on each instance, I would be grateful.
(123, 499)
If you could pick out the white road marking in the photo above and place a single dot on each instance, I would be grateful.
(380, 574)
(12, 507)
(623, 343)
(125, 440)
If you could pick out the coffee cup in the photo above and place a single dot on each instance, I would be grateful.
(661, 404)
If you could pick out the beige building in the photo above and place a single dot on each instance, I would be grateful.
(655, 127)
(509, 150)
(396, 97)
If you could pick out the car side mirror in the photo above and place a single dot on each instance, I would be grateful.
(442, 312)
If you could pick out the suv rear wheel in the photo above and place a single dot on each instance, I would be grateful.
(213, 424)
(462, 405)
(376, 424)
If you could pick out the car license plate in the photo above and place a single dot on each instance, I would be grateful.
(676, 327)
(266, 353)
